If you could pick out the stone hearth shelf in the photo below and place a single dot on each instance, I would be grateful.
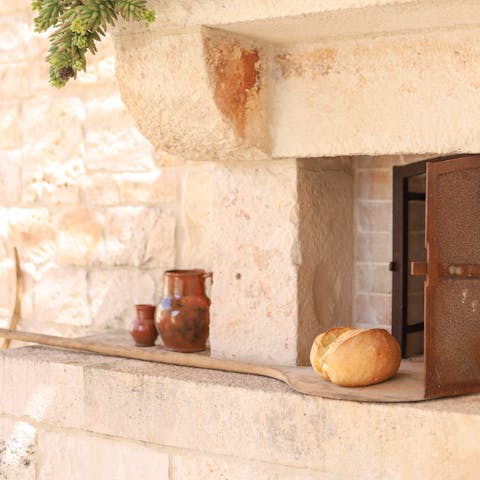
(99, 417)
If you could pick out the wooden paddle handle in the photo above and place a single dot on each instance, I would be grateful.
(18, 299)
(151, 354)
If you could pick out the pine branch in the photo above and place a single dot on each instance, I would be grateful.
(77, 26)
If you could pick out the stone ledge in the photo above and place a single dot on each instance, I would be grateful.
(245, 417)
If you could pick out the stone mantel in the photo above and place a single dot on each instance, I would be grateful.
(66, 407)
(218, 80)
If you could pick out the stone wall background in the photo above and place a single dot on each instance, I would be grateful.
(96, 214)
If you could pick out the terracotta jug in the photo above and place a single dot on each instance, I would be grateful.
(144, 331)
(184, 319)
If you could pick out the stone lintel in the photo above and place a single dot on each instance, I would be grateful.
(318, 79)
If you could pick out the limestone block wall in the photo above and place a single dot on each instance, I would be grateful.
(95, 212)
(67, 415)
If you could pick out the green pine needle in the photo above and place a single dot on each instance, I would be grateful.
(77, 26)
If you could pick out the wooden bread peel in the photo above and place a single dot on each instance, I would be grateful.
(406, 386)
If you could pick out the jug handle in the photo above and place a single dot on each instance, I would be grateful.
(210, 276)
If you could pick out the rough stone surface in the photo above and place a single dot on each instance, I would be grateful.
(28, 389)
(61, 296)
(193, 125)
(250, 18)
(71, 161)
(79, 456)
(152, 187)
(363, 55)
(113, 142)
(198, 200)
(10, 133)
(254, 295)
(325, 200)
(140, 236)
(79, 237)
(237, 77)
(371, 78)
(101, 190)
(10, 178)
(14, 37)
(17, 449)
(113, 294)
(219, 468)
(242, 423)
(32, 232)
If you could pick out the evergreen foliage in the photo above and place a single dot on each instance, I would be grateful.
(77, 26)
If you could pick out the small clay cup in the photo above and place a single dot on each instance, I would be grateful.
(144, 331)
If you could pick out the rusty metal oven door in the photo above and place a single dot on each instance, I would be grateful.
(452, 287)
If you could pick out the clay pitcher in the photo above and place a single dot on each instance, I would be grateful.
(184, 318)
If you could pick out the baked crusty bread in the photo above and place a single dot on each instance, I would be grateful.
(355, 358)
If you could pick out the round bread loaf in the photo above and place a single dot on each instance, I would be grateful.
(355, 358)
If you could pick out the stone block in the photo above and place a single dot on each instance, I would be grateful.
(18, 452)
(61, 296)
(374, 185)
(378, 94)
(165, 159)
(242, 423)
(32, 232)
(386, 438)
(374, 216)
(254, 294)
(10, 174)
(325, 198)
(80, 456)
(14, 80)
(61, 118)
(373, 278)
(15, 6)
(186, 467)
(380, 161)
(10, 125)
(197, 247)
(79, 237)
(113, 142)
(101, 189)
(53, 167)
(14, 37)
(187, 66)
(152, 187)
(373, 309)
(114, 293)
(418, 157)
(373, 247)
(140, 236)
(246, 420)
(30, 391)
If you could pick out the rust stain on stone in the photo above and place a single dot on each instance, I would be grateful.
(307, 64)
(236, 78)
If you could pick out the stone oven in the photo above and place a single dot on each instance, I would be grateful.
(287, 123)
(306, 111)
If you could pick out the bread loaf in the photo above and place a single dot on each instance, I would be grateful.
(353, 357)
